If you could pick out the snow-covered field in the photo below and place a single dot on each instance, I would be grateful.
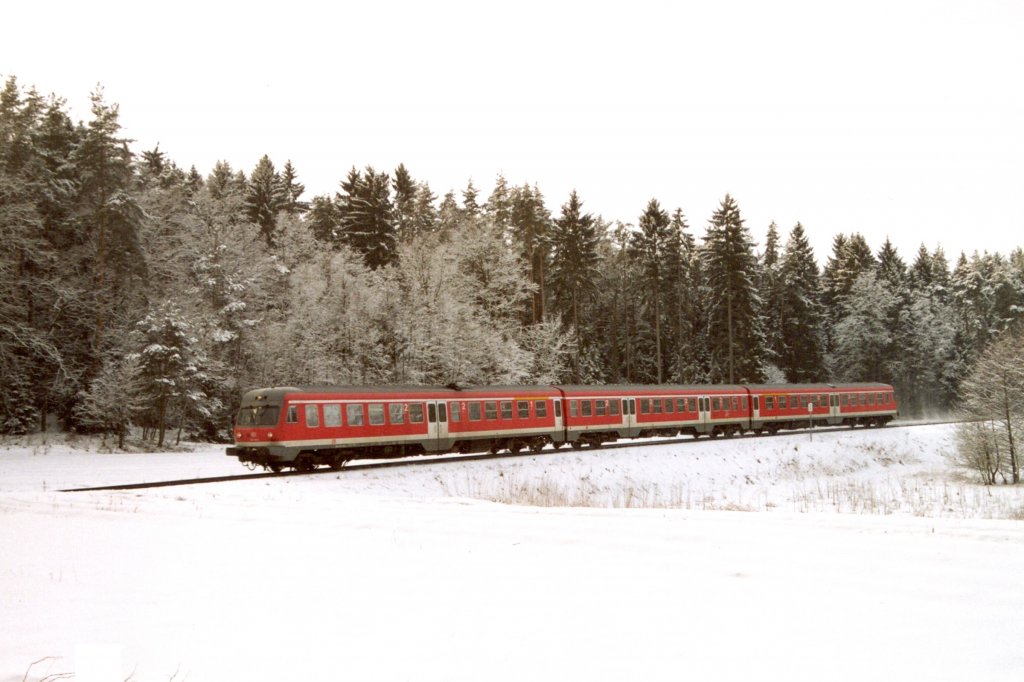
(854, 555)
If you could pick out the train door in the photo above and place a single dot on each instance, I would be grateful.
(704, 414)
(833, 408)
(437, 426)
(629, 423)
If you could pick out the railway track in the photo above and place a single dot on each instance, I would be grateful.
(451, 459)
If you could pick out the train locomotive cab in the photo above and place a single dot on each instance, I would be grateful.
(257, 431)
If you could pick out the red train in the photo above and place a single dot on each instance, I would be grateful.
(308, 427)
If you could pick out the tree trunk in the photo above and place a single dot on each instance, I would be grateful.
(728, 314)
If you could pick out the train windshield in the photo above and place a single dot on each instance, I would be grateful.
(259, 415)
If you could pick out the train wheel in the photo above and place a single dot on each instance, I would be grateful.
(576, 445)
(338, 463)
(514, 447)
(558, 445)
(537, 446)
(276, 468)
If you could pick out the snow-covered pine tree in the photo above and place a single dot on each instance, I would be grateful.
(405, 204)
(499, 205)
(770, 287)
(113, 400)
(735, 340)
(530, 222)
(802, 353)
(292, 191)
(649, 247)
(265, 195)
(171, 370)
(367, 216)
(574, 263)
(682, 293)
(863, 339)
(324, 220)
(111, 217)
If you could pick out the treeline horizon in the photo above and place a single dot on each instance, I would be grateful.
(135, 292)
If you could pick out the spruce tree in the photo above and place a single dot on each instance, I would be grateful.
(681, 286)
(649, 247)
(735, 340)
(574, 262)
(292, 190)
(802, 353)
(770, 286)
(367, 217)
(264, 196)
(530, 222)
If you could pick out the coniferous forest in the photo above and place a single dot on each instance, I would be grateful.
(134, 292)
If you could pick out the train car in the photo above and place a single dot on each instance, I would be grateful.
(312, 426)
(505, 418)
(601, 414)
(796, 406)
(305, 427)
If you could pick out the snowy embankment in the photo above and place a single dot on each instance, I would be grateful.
(414, 573)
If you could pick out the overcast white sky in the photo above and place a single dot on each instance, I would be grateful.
(898, 117)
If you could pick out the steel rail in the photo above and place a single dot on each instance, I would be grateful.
(424, 460)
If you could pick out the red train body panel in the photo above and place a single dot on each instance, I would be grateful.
(307, 427)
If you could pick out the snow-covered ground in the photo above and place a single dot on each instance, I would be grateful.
(853, 555)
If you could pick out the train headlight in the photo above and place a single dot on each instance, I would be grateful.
(270, 435)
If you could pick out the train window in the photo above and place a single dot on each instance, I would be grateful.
(415, 413)
(396, 413)
(293, 414)
(680, 404)
(845, 398)
(691, 404)
(312, 415)
(491, 410)
(613, 408)
(442, 412)
(871, 398)
(432, 413)
(645, 406)
(376, 414)
(523, 407)
(586, 408)
(735, 403)
(601, 408)
(657, 405)
(540, 408)
(782, 402)
(456, 415)
(769, 402)
(354, 415)
(558, 409)
(573, 408)
(332, 415)
(670, 405)
(803, 401)
(506, 409)
(716, 403)
(743, 403)
(474, 412)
